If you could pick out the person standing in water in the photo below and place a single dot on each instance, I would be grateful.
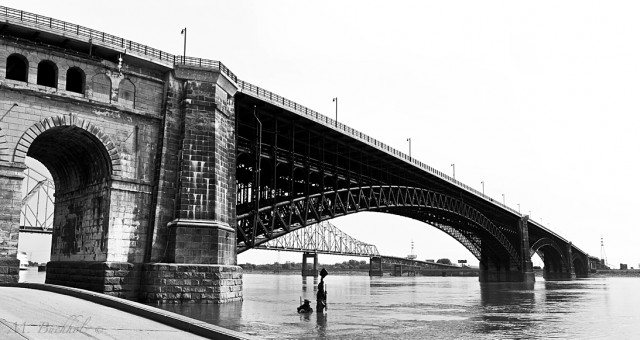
(321, 297)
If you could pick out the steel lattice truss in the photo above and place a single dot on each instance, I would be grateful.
(322, 238)
(415, 263)
(273, 221)
(37, 202)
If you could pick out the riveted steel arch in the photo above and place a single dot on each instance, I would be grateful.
(545, 241)
(277, 219)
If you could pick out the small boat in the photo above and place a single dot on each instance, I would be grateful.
(24, 261)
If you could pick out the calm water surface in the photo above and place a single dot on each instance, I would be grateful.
(430, 308)
(427, 308)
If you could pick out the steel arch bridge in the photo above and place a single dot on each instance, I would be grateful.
(295, 168)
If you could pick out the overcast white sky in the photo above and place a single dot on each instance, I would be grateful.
(539, 100)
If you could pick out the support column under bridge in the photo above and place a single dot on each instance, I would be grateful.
(495, 270)
(200, 261)
(305, 269)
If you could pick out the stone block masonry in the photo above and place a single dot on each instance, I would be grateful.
(120, 279)
(143, 157)
(190, 283)
(9, 269)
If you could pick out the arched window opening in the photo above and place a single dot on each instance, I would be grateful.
(101, 87)
(127, 93)
(47, 74)
(17, 68)
(75, 80)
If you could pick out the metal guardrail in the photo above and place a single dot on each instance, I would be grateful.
(128, 45)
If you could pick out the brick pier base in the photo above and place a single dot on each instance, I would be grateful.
(190, 283)
(9, 269)
(121, 279)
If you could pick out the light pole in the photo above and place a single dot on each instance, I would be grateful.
(482, 187)
(454, 170)
(409, 140)
(503, 202)
(184, 51)
(336, 101)
(518, 208)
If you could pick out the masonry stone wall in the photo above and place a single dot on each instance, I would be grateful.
(106, 218)
(143, 160)
(190, 283)
(119, 279)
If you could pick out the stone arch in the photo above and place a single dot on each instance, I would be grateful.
(101, 87)
(70, 120)
(17, 68)
(127, 93)
(4, 148)
(47, 74)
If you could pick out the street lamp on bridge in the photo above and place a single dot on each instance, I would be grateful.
(482, 187)
(454, 170)
(335, 100)
(184, 51)
(503, 201)
(409, 140)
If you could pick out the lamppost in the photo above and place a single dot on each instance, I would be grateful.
(503, 201)
(409, 140)
(184, 51)
(482, 187)
(454, 170)
(518, 208)
(335, 100)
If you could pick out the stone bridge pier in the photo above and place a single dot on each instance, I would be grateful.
(503, 270)
(200, 259)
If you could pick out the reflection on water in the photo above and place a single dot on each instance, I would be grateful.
(429, 308)
(398, 308)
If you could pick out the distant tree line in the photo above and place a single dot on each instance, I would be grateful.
(346, 265)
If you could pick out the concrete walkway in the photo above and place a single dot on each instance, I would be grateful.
(40, 311)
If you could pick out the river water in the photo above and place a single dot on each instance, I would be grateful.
(419, 307)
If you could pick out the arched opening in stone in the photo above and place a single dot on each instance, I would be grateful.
(80, 167)
(17, 68)
(47, 74)
(75, 80)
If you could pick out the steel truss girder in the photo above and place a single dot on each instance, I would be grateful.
(322, 238)
(283, 217)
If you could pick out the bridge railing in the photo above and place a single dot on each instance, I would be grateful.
(128, 45)
(81, 31)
